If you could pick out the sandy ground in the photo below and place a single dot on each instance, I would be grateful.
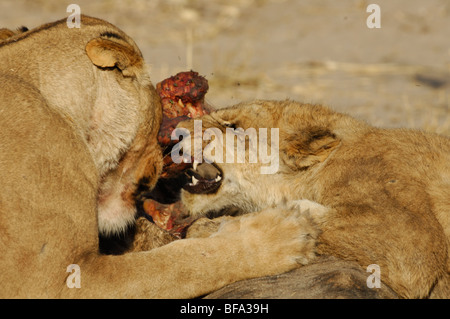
(317, 51)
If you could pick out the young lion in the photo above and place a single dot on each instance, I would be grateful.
(79, 119)
(386, 192)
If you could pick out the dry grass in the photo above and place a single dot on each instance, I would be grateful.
(385, 94)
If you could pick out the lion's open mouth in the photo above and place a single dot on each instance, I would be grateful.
(204, 178)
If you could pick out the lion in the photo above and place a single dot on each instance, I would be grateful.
(384, 193)
(79, 118)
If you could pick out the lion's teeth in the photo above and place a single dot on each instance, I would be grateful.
(218, 178)
(194, 181)
(194, 165)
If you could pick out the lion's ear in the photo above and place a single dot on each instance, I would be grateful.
(304, 148)
(107, 54)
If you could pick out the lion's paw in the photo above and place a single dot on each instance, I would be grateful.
(312, 210)
(275, 240)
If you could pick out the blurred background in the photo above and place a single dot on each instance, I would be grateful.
(315, 51)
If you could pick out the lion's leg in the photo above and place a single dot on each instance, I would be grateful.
(196, 266)
(312, 211)
(310, 215)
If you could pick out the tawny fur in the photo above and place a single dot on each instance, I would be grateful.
(79, 118)
(387, 191)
